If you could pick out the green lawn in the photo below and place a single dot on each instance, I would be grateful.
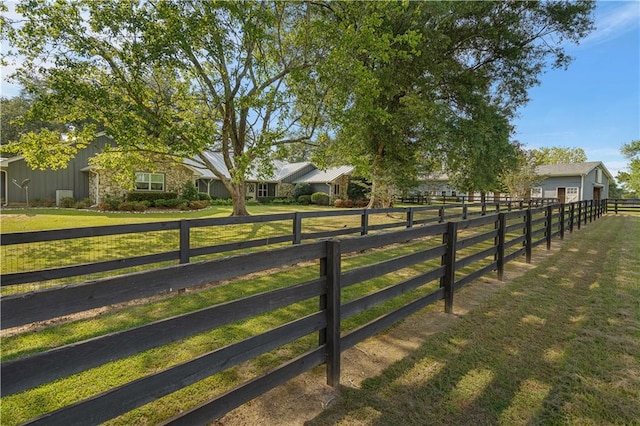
(559, 345)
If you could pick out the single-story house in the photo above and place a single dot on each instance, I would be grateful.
(573, 182)
(81, 180)
(435, 185)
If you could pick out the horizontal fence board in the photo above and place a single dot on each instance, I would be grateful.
(476, 239)
(90, 268)
(332, 213)
(509, 257)
(385, 321)
(364, 273)
(367, 242)
(535, 243)
(475, 275)
(536, 232)
(361, 304)
(134, 394)
(329, 234)
(95, 231)
(515, 241)
(240, 245)
(46, 304)
(238, 220)
(61, 362)
(387, 226)
(215, 409)
(465, 261)
(478, 221)
(515, 227)
(538, 221)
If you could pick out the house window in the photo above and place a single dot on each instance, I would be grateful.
(598, 176)
(262, 190)
(336, 189)
(536, 192)
(149, 182)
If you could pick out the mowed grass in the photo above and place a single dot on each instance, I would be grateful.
(558, 345)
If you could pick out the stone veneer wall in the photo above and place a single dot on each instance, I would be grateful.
(102, 183)
(343, 181)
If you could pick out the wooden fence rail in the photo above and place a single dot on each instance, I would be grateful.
(623, 205)
(291, 227)
(458, 257)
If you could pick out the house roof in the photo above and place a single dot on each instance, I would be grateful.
(571, 169)
(281, 169)
(325, 176)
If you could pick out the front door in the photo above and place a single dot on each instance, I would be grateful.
(596, 193)
(562, 195)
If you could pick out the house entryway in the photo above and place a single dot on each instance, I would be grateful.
(562, 195)
(596, 193)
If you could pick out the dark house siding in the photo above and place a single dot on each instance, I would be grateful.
(45, 183)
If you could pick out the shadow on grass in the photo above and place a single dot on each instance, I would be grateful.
(551, 347)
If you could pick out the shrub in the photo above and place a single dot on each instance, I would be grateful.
(339, 202)
(304, 199)
(301, 189)
(83, 204)
(67, 202)
(197, 205)
(189, 191)
(203, 196)
(151, 197)
(348, 204)
(280, 200)
(160, 203)
(362, 203)
(252, 202)
(111, 203)
(358, 188)
(221, 202)
(320, 198)
(175, 203)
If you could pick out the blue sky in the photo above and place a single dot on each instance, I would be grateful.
(595, 103)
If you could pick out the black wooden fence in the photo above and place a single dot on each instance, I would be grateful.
(459, 259)
(184, 244)
(623, 205)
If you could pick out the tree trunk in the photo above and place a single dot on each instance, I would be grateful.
(381, 189)
(238, 197)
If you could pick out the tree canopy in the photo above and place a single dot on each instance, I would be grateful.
(631, 179)
(173, 78)
(443, 80)
(559, 155)
(400, 87)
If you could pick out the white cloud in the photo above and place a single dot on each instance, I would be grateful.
(612, 20)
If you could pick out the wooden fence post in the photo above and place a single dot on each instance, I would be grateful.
(333, 314)
(441, 214)
(502, 236)
(297, 228)
(562, 207)
(410, 217)
(185, 238)
(549, 225)
(464, 212)
(364, 222)
(572, 217)
(449, 278)
(528, 237)
(579, 214)
(616, 206)
(590, 211)
(484, 209)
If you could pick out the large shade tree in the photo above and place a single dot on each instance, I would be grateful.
(631, 179)
(432, 66)
(173, 78)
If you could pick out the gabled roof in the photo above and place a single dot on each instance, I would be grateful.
(571, 169)
(281, 169)
(325, 176)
